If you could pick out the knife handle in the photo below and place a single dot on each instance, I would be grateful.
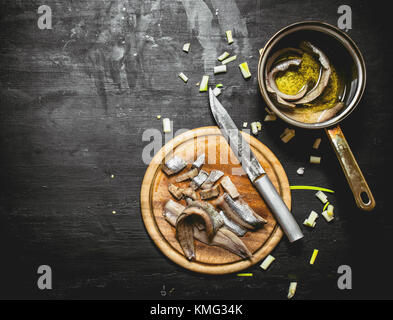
(278, 207)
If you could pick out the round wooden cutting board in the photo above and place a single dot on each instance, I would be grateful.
(155, 194)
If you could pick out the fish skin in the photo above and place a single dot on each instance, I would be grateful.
(210, 193)
(175, 191)
(283, 66)
(230, 187)
(224, 238)
(197, 181)
(213, 177)
(326, 72)
(190, 193)
(216, 218)
(199, 162)
(185, 236)
(232, 226)
(188, 175)
(173, 165)
(240, 212)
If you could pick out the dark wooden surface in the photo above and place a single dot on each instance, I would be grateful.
(70, 116)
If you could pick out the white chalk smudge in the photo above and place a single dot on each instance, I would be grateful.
(230, 19)
(200, 20)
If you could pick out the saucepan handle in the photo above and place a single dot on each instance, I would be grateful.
(360, 189)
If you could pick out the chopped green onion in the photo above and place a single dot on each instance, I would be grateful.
(325, 206)
(245, 70)
(223, 56)
(229, 36)
(329, 210)
(321, 196)
(314, 256)
(220, 69)
(183, 77)
(230, 59)
(204, 83)
(166, 125)
(316, 144)
(292, 289)
(287, 135)
(314, 159)
(310, 221)
(326, 216)
(244, 274)
(186, 47)
(219, 85)
(254, 128)
(310, 188)
(267, 262)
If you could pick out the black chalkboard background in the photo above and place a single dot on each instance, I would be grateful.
(70, 117)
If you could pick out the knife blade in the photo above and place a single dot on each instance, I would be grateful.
(254, 170)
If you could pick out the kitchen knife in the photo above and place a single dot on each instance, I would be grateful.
(254, 170)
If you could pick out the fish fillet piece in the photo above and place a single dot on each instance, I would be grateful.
(190, 193)
(232, 226)
(188, 175)
(224, 238)
(210, 193)
(214, 176)
(229, 187)
(240, 212)
(280, 67)
(197, 181)
(199, 162)
(185, 235)
(173, 165)
(206, 206)
(325, 76)
(175, 191)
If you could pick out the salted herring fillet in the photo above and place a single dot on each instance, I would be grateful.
(229, 187)
(240, 212)
(224, 238)
(325, 76)
(173, 165)
(214, 176)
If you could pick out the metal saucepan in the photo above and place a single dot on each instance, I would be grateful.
(340, 49)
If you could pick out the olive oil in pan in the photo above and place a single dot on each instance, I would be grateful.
(342, 81)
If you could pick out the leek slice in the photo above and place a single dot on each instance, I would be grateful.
(220, 69)
(183, 77)
(321, 196)
(204, 83)
(223, 56)
(314, 159)
(186, 47)
(229, 36)
(166, 125)
(292, 289)
(314, 256)
(267, 262)
(230, 59)
(245, 70)
(327, 217)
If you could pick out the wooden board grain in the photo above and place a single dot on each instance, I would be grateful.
(154, 195)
